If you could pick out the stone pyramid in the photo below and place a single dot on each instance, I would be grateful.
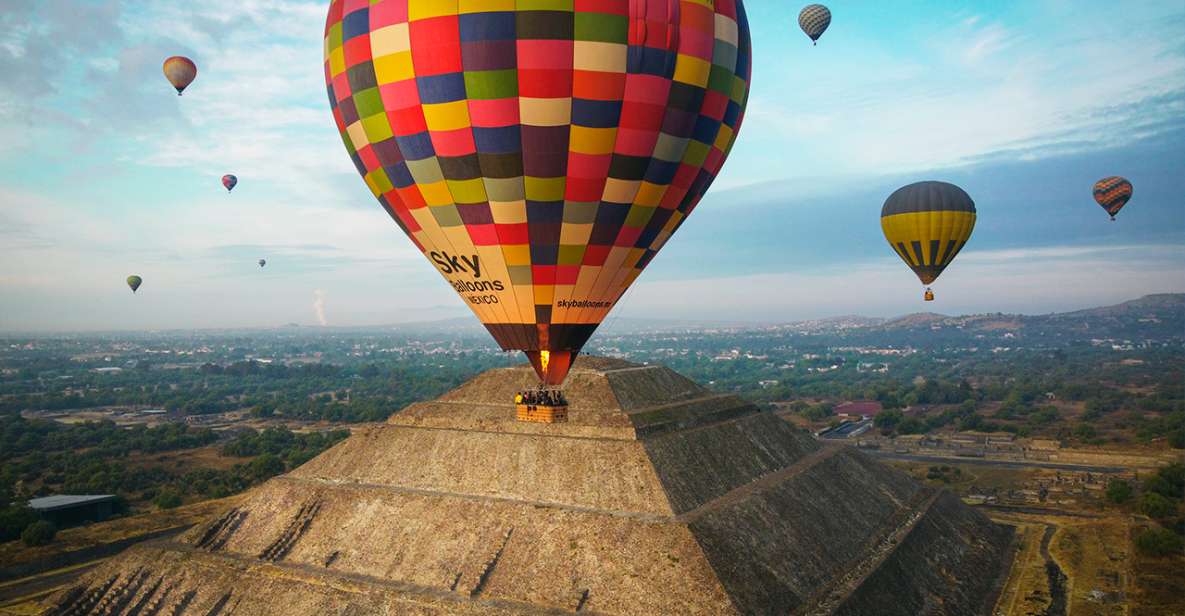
(656, 497)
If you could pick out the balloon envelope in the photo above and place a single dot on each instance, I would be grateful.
(180, 71)
(1112, 194)
(538, 158)
(927, 224)
(814, 19)
(229, 182)
(134, 282)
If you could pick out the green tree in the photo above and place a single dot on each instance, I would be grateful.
(818, 411)
(167, 498)
(1119, 491)
(1156, 506)
(887, 421)
(1159, 542)
(40, 532)
(1169, 481)
(1177, 438)
(14, 520)
(1085, 431)
(266, 465)
(1045, 415)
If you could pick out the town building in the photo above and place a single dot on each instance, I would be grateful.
(858, 409)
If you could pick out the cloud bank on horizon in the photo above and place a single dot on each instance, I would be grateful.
(106, 172)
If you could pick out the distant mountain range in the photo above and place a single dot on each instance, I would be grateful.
(1159, 316)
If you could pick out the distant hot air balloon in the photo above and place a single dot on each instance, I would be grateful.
(262, 262)
(1113, 193)
(543, 182)
(180, 71)
(134, 282)
(927, 224)
(814, 19)
(229, 181)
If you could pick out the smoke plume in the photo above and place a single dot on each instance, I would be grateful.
(319, 306)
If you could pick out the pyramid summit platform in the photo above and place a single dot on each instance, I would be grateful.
(657, 496)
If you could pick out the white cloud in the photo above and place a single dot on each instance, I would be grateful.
(107, 172)
(985, 43)
(972, 88)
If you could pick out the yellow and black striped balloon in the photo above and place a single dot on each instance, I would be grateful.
(927, 224)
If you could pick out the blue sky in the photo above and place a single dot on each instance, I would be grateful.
(105, 172)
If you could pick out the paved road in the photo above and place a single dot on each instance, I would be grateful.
(892, 455)
(28, 588)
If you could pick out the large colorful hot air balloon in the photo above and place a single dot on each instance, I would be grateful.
(229, 182)
(814, 19)
(134, 282)
(538, 156)
(927, 224)
(180, 71)
(1113, 193)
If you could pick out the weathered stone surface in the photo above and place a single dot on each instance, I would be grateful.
(657, 497)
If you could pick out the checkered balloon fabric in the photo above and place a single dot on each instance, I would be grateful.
(814, 19)
(538, 152)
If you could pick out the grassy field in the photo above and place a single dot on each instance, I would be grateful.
(1158, 585)
(1103, 574)
(1074, 554)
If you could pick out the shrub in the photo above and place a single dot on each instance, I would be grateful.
(1119, 491)
(1169, 481)
(167, 498)
(912, 425)
(944, 473)
(1085, 431)
(888, 420)
(266, 466)
(14, 520)
(818, 411)
(1159, 542)
(1154, 505)
(1045, 415)
(39, 533)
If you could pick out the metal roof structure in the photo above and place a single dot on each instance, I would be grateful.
(65, 501)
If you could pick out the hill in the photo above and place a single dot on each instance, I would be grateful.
(1154, 317)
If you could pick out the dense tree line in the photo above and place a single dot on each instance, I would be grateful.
(363, 392)
(1160, 498)
(20, 436)
(93, 459)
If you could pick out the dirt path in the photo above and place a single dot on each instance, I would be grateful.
(1062, 466)
(1057, 578)
(34, 587)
